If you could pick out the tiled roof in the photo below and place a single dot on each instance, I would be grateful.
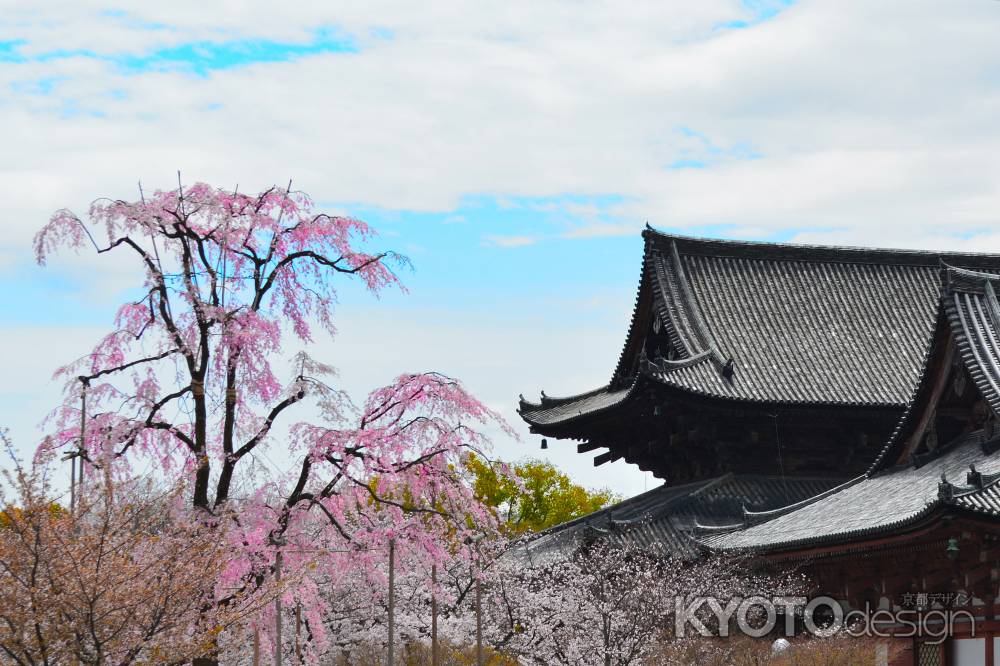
(970, 301)
(554, 410)
(873, 504)
(778, 324)
(964, 475)
(666, 518)
(985, 501)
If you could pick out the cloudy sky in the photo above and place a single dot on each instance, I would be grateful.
(512, 149)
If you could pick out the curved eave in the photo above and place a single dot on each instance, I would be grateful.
(875, 505)
(908, 523)
(765, 401)
(558, 413)
(580, 410)
(984, 502)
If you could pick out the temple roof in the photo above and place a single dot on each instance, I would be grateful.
(665, 519)
(774, 323)
(970, 301)
(874, 505)
(894, 493)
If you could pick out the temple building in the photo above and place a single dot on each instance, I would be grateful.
(827, 410)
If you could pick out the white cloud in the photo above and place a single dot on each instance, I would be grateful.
(858, 111)
(840, 121)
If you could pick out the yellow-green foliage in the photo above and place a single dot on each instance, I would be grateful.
(548, 497)
(11, 514)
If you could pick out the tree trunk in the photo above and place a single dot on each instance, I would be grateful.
(203, 473)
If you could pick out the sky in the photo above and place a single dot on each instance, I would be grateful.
(513, 150)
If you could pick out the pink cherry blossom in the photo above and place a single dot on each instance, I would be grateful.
(190, 378)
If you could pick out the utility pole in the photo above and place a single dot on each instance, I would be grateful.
(72, 484)
(84, 383)
(392, 602)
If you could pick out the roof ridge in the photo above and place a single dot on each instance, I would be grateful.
(643, 286)
(758, 517)
(690, 303)
(968, 272)
(941, 323)
(725, 247)
(836, 537)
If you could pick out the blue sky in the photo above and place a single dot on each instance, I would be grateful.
(514, 154)
(199, 57)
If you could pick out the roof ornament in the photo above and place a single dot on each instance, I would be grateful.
(974, 477)
(946, 491)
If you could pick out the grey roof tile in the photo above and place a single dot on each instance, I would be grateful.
(871, 505)
(882, 500)
(801, 324)
(666, 518)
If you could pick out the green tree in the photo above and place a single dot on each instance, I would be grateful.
(542, 497)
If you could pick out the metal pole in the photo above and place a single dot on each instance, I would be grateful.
(83, 427)
(106, 456)
(72, 486)
(392, 602)
(277, 611)
(434, 616)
